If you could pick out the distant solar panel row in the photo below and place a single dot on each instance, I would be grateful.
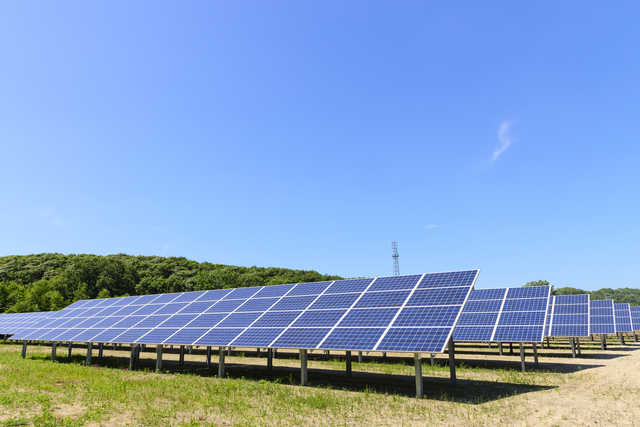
(568, 316)
(509, 314)
(622, 315)
(399, 313)
(13, 323)
(601, 318)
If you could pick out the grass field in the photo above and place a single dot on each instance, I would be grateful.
(598, 388)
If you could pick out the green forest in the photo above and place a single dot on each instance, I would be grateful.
(47, 282)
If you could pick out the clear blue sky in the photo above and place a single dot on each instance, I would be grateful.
(499, 135)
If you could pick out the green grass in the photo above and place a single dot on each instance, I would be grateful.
(35, 391)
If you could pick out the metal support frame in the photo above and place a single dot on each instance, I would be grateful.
(89, 353)
(524, 368)
(573, 347)
(24, 349)
(208, 356)
(548, 343)
(452, 363)
(535, 353)
(303, 367)
(578, 346)
(181, 362)
(360, 357)
(433, 359)
(270, 359)
(500, 348)
(229, 352)
(159, 349)
(221, 363)
(348, 360)
(510, 348)
(69, 349)
(635, 336)
(100, 349)
(417, 357)
(132, 358)
(622, 338)
(4, 339)
(603, 342)
(54, 347)
(384, 356)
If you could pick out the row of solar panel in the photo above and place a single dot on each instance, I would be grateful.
(400, 313)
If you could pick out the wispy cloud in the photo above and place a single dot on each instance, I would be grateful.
(505, 138)
(50, 216)
(433, 226)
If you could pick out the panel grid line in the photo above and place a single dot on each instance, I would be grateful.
(345, 314)
(404, 304)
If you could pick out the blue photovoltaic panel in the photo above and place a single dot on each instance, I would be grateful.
(568, 316)
(622, 317)
(479, 315)
(635, 317)
(413, 313)
(13, 323)
(523, 315)
(602, 320)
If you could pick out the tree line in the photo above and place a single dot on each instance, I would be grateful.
(47, 282)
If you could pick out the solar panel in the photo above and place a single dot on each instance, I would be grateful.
(568, 316)
(635, 317)
(602, 320)
(399, 313)
(13, 323)
(479, 315)
(523, 314)
(622, 315)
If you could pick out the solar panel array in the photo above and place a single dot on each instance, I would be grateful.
(480, 314)
(511, 314)
(601, 318)
(414, 313)
(568, 316)
(622, 315)
(635, 318)
(13, 323)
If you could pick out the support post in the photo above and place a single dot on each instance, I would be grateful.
(303, 367)
(500, 348)
(229, 352)
(522, 357)
(622, 338)
(578, 345)
(359, 357)
(603, 346)
(535, 353)
(548, 343)
(132, 358)
(208, 356)
(4, 339)
(159, 349)
(433, 359)
(384, 356)
(452, 363)
(348, 364)
(573, 347)
(510, 348)
(221, 363)
(100, 348)
(24, 349)
(635, 336)
(181, 363)
(89, 353)
(269, 359)
(69, 349)
(417, 357)
(54, 346)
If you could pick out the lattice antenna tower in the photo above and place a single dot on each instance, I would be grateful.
(394, 255)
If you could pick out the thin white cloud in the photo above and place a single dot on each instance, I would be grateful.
(505, 138)
(433, 226)
(164, 230)
(51, 218)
